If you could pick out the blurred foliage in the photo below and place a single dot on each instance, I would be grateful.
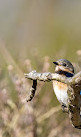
(32, 35)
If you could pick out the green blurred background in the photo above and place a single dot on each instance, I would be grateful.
(50, 26)
(32, 33)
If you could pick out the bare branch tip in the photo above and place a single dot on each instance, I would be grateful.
(25, 75)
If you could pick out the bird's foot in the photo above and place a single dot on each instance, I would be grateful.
(64, 108)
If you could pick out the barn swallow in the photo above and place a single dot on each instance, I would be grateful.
(64, 68)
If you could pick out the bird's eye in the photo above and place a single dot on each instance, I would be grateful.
(64, 64)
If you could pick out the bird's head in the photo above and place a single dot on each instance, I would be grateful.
(63, 66)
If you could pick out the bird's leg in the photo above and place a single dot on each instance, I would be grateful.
(64, 108)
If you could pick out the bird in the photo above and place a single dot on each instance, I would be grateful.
(63, 68)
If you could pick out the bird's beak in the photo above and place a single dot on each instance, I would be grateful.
(55, 63)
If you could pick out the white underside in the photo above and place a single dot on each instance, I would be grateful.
(61, 95)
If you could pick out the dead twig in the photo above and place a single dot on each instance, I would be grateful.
(32, 90)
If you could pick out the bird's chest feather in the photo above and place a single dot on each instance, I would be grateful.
(60, 90)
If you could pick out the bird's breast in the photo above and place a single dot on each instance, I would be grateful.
(60, 90)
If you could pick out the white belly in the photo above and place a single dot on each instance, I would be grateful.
(60, 91)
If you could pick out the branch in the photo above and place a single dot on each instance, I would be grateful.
(74, 86)
(46, 77)
(76, 80)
